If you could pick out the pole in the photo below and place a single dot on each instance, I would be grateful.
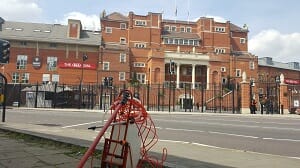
(202, 97)
(4, 100)
(148, 94)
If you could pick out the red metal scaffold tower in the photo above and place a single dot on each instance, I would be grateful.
(132, 135)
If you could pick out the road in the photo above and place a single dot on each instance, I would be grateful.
(277, 135)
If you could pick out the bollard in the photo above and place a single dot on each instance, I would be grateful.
(282, 109)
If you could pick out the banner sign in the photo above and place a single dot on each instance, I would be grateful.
(76, 65)
(292, 81)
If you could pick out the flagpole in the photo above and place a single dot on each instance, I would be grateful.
(175, 11)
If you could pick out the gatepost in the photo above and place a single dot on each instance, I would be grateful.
(283, 88)
(245, 97)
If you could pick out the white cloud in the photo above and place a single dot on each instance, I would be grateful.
(89, 22)
(217, 18)
(281, 47)
(20, 10)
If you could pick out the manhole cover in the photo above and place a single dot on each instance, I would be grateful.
(49, 125)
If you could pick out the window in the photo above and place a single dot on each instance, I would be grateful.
(46, 78)
(167, 28)
(220, 29)
(23, 43)
(25, 78)
(140, 23)
(52, 45)
(251, 65)
(140, 45)
(108, 30)
(123, 26)
(166, 41)
(188, 29)
(122, 57)
(219, 50)
(173, 28)
(141, 77)
(139, 64)
(224, 80)
(185, 42)
(106, 66)
(21, 61)
(123, 40)
(238, 73)
(242, 40)
(182, 29)
(121, 76)
(51, 63)
(15, 77)
(223, 69)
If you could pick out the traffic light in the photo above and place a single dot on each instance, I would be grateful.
(105, 82)
(4, 51)
(84, 57)
(110, 81)
(172, 67)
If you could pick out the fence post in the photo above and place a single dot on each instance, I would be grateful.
(36, 94)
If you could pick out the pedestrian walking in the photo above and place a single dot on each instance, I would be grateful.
(253, 107)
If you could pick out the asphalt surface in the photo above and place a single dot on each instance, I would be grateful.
(16, 153)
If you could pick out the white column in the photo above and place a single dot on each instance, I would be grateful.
(177, 75)
(193, 75)
(207, 78)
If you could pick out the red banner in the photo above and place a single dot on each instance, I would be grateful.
(76, 65)
(292, 81)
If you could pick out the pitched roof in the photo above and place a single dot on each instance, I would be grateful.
(236, 28)
(182, 35)
(116, 16)
(54, 33)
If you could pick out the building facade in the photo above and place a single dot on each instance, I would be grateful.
(144, 50)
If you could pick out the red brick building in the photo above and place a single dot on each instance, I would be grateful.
(205, 54)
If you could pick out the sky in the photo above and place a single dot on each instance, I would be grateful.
(274, 25)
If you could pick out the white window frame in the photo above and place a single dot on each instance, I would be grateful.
(220, 50)
(122, 40)
(123, 26)
(22, 61)
(238, 73)
(220, 29)
(51, 63)
(122, 57)
(140, 45)
(141, 77)
(122, 76)
(243, 40)
(251, 65)
(140, 22)
(105, 66)
(15, 77)
(108, 29)
(25, 78)
(224, 80)
(139, 64)
(188, 29)
(182, 29)
(223, 69)
(167, 28)
(173, 28)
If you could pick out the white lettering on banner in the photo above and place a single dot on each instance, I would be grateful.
(77, 65)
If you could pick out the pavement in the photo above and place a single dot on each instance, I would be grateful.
(16, 153)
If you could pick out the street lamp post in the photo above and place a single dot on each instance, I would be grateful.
(277, 80)
(84, 58)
